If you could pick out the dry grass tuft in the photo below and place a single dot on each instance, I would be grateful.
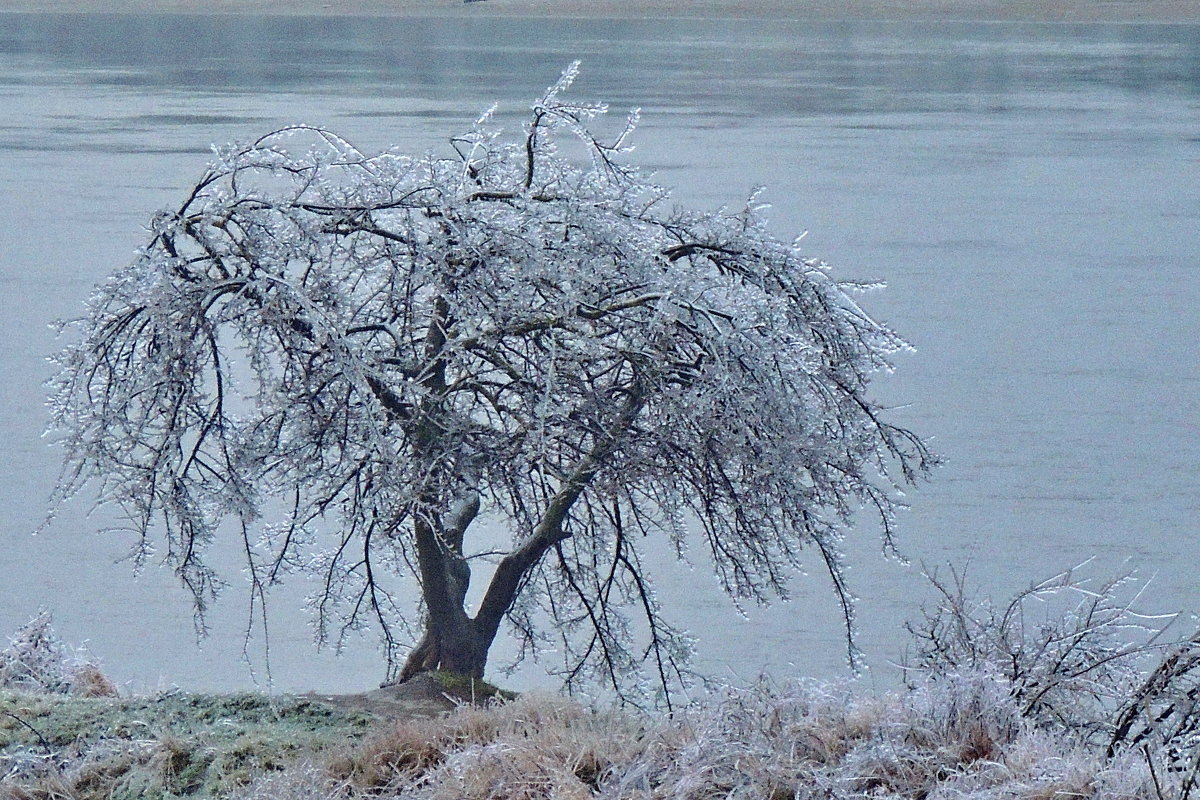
(529, 747)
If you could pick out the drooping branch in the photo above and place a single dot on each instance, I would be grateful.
(551, 530)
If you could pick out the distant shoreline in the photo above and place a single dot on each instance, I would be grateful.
(933, 11)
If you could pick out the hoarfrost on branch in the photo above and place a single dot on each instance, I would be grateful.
(392, 349)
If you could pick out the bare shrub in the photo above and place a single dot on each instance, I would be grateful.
(36, 660)
(1078, 658)
(1162, 718)
(1072, 647)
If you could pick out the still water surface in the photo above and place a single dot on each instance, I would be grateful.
(1030, 193)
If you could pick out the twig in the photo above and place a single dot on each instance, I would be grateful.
(1153, 773)
(42, 739)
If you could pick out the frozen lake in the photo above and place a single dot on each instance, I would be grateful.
(1030, 193)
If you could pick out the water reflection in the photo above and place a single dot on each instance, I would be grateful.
(744, 66)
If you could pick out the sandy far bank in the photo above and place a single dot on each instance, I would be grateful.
(1170, 11)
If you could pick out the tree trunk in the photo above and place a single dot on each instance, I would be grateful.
(459, 650)
(453, 641)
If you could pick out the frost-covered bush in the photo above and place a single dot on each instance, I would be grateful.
(949, 738)
(36, 660)
(1162, 717)
(1072, 647)
(1078, 659)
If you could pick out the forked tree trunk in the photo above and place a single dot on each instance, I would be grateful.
(454, 641)
(461, 652)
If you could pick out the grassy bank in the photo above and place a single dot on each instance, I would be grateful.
(1000, 701)
(166, 745)
(959, 738)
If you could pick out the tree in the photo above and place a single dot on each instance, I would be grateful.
(362, 360)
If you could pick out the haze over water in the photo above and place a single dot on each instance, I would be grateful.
(1030, 193)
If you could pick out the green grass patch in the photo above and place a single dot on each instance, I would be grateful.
(162, 746)
(470, 689)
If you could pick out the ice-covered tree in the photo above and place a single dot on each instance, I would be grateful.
(362, 362)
